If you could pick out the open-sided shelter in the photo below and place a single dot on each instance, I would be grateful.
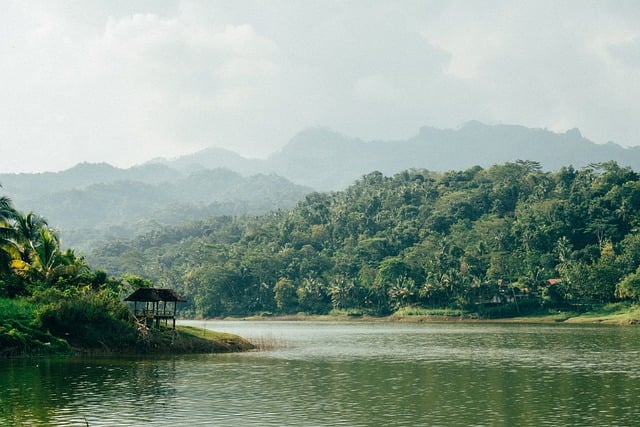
(153, 304)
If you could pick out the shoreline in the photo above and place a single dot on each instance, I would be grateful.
(618, 318)
(184, 340)
(194, 340)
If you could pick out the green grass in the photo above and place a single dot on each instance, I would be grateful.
(22, 335)
(16, 309)
(191, 337)
(19, 336)
(350, 312)
(622, 313)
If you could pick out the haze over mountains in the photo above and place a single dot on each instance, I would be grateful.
(93, 201)
(326, 160)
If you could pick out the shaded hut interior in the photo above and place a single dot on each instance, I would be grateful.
(154, 305)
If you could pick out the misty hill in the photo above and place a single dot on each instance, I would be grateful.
(32, 185)
(91, 202)
(326, 160)
(417, 239)
(220, 190)
(323, 159)
(212, 158)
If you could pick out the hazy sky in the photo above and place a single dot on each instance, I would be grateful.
(127, 81)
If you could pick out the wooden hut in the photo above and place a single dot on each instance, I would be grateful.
(154, 305)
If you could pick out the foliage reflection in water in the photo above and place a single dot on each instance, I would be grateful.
(355, 374)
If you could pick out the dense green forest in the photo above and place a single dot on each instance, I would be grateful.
(493, 241)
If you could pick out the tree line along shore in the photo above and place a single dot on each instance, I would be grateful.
(506, 242)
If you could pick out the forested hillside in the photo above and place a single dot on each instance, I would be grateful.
(90, 203)
(460, 239)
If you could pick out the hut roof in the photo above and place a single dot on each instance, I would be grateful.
(154, 294)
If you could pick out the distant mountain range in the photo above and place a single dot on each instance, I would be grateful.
(325, 160)
(92, 201)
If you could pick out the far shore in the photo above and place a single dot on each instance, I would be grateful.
(621, 317)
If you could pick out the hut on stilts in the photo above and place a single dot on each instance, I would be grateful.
(154, 305)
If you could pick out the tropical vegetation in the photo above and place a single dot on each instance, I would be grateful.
(493, 241)
(52, 301)
(51, 298)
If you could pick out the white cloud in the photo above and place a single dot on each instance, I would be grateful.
(376, 88)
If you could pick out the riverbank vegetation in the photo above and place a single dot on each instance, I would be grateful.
(53, 302)
(96, 324)
(509, 241)
(506, 241)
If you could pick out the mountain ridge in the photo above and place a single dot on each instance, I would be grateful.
(217, 181)
(113, 202)
(326, 160)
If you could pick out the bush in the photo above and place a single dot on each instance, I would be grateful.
(420, 311)
(16, 309)
(521, 308)
(18, 339)
(90, 319)
(12, 286)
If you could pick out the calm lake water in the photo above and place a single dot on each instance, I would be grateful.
(347, 374)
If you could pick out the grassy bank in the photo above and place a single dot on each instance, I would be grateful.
(20, 336)
(182, 340)
(99, 324)
(613, 314)
(622, 313)
(198, 340)
(87, 326)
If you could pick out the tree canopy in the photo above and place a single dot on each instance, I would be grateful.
(457, 239)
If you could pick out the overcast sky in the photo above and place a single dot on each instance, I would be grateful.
(128, 81)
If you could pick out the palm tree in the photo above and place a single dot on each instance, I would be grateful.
(8, 234)
(29, 228)
(42, 259)
(7, 214)
(40, 252)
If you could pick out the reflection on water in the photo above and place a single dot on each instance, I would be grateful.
(351, 374)
(62, 391)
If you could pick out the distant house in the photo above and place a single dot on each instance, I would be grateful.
(506, 293)
(552, 282)
(154, 305)
(498, 298)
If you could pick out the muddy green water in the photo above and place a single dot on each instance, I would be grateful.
(347, 374)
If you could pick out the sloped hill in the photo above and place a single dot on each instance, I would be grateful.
(26, 186)
(91, 202)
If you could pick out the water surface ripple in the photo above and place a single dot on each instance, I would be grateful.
(347, 374)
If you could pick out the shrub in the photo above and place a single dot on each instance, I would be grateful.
(17, 309)
(12, 286)
(90, 319)
(18, 339)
